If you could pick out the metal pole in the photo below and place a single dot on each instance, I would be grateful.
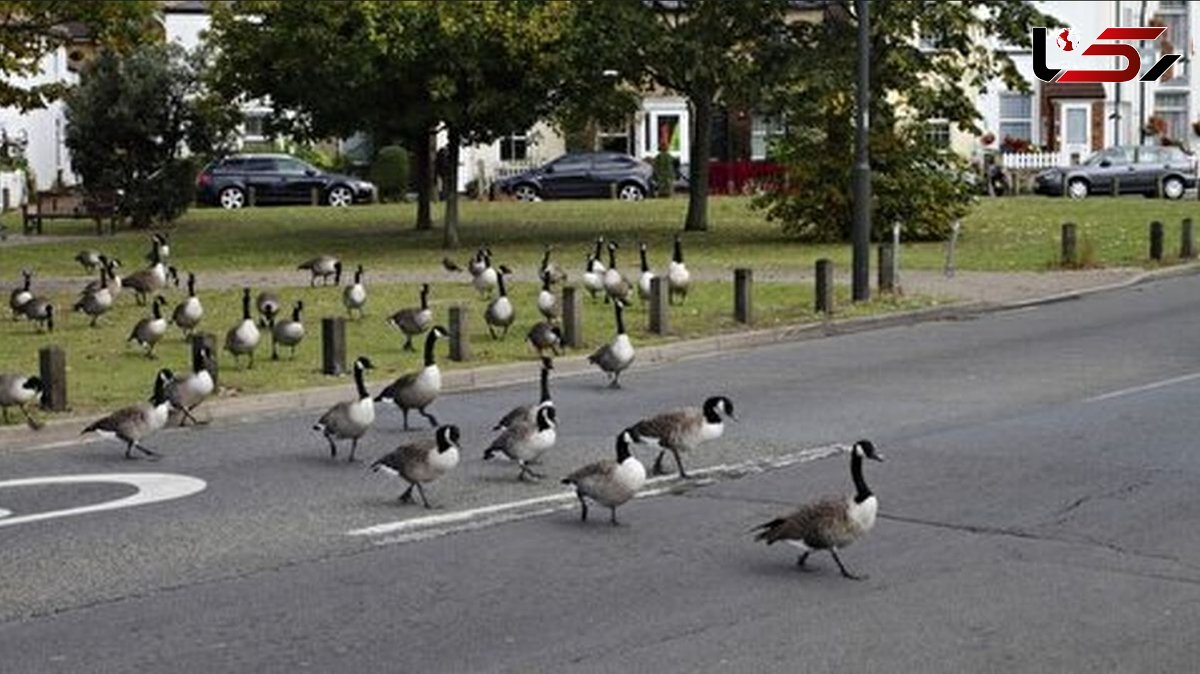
(1142, 87)
(1116, 116)
(861, 230)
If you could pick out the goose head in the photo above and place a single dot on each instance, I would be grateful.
(34, 384)
(866, 450)
(624, 439)
(363, 363)
(716, 406)
(447, 437)
(547, 417)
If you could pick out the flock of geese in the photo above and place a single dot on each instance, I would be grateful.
(524, 435)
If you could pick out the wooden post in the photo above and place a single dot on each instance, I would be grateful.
(314, 196)
(1116, 186)
(1187, 243)
(1156, 240)
(1068, 258)
(460, 345)
(743, 286)
(52, 362)
(251, 196)
(887, 268)
(210, 340)
(612, 190)
(572, 316)
(824, 286)
(7, 200)
(333, 345)
(659, 323)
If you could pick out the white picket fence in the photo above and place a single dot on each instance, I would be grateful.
(1033, 160)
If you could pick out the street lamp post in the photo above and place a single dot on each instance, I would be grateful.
(860, 233)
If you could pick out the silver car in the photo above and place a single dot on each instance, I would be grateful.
(1125, 169)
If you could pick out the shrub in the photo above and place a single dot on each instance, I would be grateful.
(389, 172)
(664, 173)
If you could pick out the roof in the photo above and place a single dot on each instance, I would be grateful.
(185, 6)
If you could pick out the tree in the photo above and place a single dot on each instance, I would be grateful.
(131, 122)
(30, 30)
(915, 182)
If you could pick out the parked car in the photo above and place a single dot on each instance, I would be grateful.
(276, 179)
(1130, 169)
(581, 175)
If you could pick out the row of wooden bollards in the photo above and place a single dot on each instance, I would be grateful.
(1187, 242)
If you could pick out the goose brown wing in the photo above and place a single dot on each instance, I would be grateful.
(817, 524)
(667, 428)
(585, 477)
(120, 421)
(405, 456)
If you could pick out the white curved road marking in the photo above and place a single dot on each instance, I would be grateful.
(151, 488)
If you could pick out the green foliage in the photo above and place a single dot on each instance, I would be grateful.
(389, 172)
(313, 155)
(664, 174)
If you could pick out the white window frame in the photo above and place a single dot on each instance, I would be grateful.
(937, 129)
(1025, 120)
(764, 129)
(1176, 116)
(512, 141)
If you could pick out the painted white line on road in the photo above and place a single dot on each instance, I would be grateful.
(151, 488)
(4, 513)
(420, 528)
(1144, 387)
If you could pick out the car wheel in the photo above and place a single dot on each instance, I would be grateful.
(232, 198)
(1172, 188)
(1077, 188)
(340, 196)
(631, 192)
(526, 193)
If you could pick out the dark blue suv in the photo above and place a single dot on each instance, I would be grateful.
(583, 174)
(276, 179)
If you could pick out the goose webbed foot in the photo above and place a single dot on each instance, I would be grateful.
(657, 469)
(842, 567)
(613, 516)
(583, 508)
(802, 562)
(406, 497)
(332, 447)
(679, 464)
(433, 422)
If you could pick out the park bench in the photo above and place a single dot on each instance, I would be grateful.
(70, 205)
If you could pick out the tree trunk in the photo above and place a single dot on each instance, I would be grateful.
(450, 235)
(423, 153)
(697, 213)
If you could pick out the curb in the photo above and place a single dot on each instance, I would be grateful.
(249, 408)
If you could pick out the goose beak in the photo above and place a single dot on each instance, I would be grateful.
(876, 457)
(734, 417)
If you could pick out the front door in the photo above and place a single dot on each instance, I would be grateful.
(1076, 125)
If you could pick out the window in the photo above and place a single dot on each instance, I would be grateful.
(291, 166)
(1173, 109)
(514, 147)
(259, 165)
(1174, 15)
(573, 163)
(1016, 116)
(764, 129)
(614, 139)
(937, 132)
(253, 125)
(1116, 156)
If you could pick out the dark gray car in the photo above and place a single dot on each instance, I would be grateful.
(581, 175)
(1125, 169)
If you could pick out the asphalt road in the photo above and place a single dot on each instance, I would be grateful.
(1038, 513)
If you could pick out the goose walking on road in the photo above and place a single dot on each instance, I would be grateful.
(684, 429)
(350, 419)
(422, 462)
(529, 412)
(190, 311)
(242, 339)
(418, 390)
(187, 390)
(526, 441)
(413, 320)
(288, 333)
(133, 424)
(616, 356)
(17, 390)
(544, 336)
(609, 483)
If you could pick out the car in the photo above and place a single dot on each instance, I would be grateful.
(578, 175)
(1123, 169)
(276, 179)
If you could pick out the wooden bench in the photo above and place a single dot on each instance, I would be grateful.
(72, 205)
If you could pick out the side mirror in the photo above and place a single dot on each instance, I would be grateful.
(310, 172)
(549, 169)
(1104, 163)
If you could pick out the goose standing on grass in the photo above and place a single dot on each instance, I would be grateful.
(477, 263)
(354, 297)
(829, 523)
(500, 312)
(18, 390)
(149, 331)
(418, 390)
(349, 419)
(684, 429)
(268, 304)
(187, 390)
(450, 265)
(21, 295)
(487, 278)
(242, 339)
(547, 301)
(150, 280)
(678, 276)
(115, 281)
(413, 320)
(89, 259)
(616, 356)
(616, 286)
(646, 275)
(188, 313)
(544, 336)
(288, 333)
(133, 424)
(526, 441)
(40, 311)
(593, 277)
(529, 412)
(597, 255)
(550, 268)
(423, 461)
(96, 303)
(323, 266)
(609, 483)
(159, 246)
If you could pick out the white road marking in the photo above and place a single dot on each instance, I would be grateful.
(431, 526)
(1144, 387)
(151, 488)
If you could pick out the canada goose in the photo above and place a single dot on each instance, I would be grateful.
(551, 269)
(349, 419)
(525, 441)
(547, 301)
(609, 483)
(288, 332)
(242, 339)
(354, 297)
(17, 390)
(616, 286)
(646, 275)
(134, 423)
(115, 281)
(613, 358)
(545, 335)
(528, 412)
(500, 312)
(21, 295)
(423, 461)
(188, 313)
(684, 429)
(323, 266)
(487, 278)
(413, 320)
(593, 277)
(187, 390)
(678, 277)
(450, 265)
(418, 390)
(159, 247)
(97, 302)
(268, 305)
(598, 254)
(41, 311)
(149, 280)
(829, 523)
(89, 259)
(148, 331)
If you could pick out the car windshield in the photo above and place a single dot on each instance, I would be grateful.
(1113, 155)
(571, 162)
